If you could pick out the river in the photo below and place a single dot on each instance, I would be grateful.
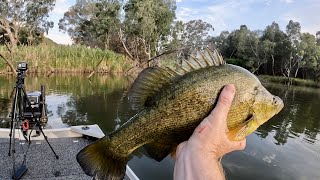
(286, 147)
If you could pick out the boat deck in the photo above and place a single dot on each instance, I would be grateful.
(41, 162)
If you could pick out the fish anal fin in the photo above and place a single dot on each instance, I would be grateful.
(147, 84)
(158, 151)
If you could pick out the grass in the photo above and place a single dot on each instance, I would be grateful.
(61, 58)
(284, 80)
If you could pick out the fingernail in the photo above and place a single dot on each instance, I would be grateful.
(230, 88)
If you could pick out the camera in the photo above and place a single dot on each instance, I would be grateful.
(22, 66)
(34, 108)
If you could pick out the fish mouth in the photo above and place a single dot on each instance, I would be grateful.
(279, 104)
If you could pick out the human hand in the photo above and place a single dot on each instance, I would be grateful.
(198, 157)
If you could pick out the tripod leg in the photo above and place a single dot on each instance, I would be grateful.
(45, 137)
(10, 136)
(13, 118)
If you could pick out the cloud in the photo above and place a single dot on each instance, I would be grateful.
(305, 14)
(217, 14)
(230, 14)
(287, 1)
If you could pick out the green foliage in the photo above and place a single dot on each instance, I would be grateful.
(189, 36)
(93, 23)
(144, 29)
(147, 26)
(25, 19)
(272, 51)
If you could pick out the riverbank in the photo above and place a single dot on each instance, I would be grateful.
(66, 59)
(284, 80)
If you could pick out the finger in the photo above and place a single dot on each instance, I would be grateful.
(222, 108)
(238, 145)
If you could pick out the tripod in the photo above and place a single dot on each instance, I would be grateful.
(17, 115)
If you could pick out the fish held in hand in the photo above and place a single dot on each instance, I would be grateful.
(171, 104)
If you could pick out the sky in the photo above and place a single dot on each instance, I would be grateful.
(225, 14)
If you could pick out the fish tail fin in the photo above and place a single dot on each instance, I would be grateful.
(99, 161)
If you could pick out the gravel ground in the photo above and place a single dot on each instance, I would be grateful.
(41, 162)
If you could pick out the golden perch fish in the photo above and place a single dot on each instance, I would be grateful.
(171, 105)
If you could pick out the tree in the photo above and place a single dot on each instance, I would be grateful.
(107, 21)
(293, 30)
(92, 22)
(77, 22)
(146, 27)
(195, 35)
(310, 53)
(318, 38)
(269, 37)
(246, 47)
(30, 15)
(317, 68)
(222, 43)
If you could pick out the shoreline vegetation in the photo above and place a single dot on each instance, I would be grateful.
(123, 37)
(286, 80)
(46, 59)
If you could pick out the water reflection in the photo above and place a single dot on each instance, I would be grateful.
(74, 100)
(298, 119)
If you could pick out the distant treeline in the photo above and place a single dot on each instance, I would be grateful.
(145, 29)
(272, 51)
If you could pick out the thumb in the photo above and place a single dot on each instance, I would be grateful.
(221, 110)
(238, 145)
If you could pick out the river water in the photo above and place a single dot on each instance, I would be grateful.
(286, 147)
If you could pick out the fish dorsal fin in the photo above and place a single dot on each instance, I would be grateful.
(152, 79)
(147, 84)
(200, 59)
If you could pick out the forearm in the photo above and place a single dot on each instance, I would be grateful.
(198, 166)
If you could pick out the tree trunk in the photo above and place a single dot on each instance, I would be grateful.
(12, 38)
(272, 64)
(106, 45)
(8, 63)
(296, 73)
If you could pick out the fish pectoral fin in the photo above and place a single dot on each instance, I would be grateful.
(240, 132)
(158, 151)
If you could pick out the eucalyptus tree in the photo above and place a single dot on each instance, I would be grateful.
(28, 15)
(92, 23)
(311, 53)
(146, 27)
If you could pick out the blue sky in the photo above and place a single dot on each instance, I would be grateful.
(226, 14)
